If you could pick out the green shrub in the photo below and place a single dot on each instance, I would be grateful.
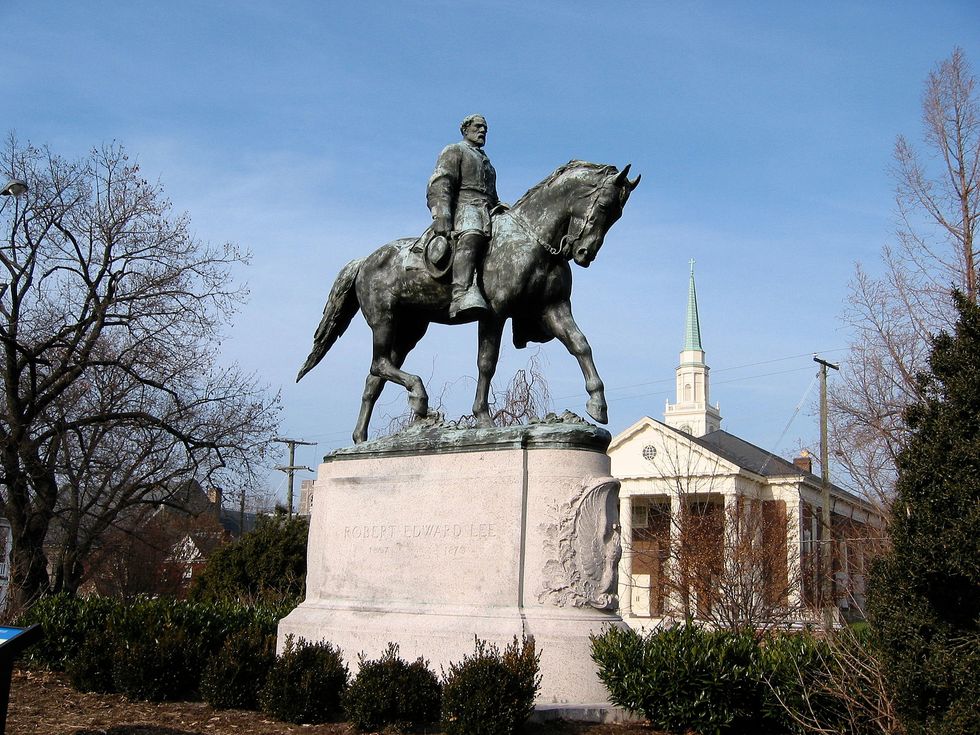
(491, 693)
(235, 674)
(392, 694)
(305, 684)
(792, 667)
(159, 653)
(156, 665)
(147, 648)
(266, 565)
(831, 684)
(164, 645)
(67, 622)
(687, 678)
(90, 668)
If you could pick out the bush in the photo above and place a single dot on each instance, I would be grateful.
(90, 668)
(490, 693)
(156, 666)
(266, 565)
(794, 669)
(67, 622)
(392, 694)
(163, 646)
(687, 678)
(306, 683)
(147, 649)
(235, 675)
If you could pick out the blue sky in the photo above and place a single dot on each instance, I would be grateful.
(306, 131)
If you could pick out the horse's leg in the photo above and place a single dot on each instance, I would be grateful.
(382, 365)
(372, 389)
(405, 341)
(558, 319)
(406, 337)
(486, 361)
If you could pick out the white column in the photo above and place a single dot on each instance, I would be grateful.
(626, 562)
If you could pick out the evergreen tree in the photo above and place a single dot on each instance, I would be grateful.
(267, 564)
(924, 601)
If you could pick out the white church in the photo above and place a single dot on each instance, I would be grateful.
(717, 529)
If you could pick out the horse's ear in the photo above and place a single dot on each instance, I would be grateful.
(621, 179)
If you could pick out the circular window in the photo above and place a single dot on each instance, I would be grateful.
(649, 452)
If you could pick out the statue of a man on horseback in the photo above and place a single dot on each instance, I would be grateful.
(524, 278)
(461, 195)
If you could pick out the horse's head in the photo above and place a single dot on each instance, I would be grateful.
(595, 205)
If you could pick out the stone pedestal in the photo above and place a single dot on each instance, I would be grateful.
(441, 534)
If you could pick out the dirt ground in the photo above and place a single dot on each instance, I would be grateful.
(43, 703)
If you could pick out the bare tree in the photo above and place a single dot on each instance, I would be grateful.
(110, 317)
(894, 316)
(525, 398)
(128, 564)
(712, 555)
(845, 678)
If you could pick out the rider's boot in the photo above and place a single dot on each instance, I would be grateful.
(467, 303)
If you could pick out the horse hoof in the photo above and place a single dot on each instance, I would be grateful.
(597, 410)
(419, 406)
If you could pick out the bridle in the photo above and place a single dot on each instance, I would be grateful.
(567, 243)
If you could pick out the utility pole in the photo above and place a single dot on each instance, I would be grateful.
(827, 548)
(291, 468)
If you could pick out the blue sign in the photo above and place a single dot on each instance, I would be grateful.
(8, 634)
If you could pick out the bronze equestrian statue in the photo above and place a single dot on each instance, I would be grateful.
(525, 276)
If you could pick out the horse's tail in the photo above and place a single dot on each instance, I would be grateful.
(341, 307)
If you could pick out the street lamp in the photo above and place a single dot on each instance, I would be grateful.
(13, 188)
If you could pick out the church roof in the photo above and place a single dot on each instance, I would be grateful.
(692, 326)
(746, 455)
(758, 460)
(737, 451)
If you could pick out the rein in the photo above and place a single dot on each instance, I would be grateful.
(566, 243)
(525, 226)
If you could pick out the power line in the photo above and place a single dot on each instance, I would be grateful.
(792, 418)
(715, 371)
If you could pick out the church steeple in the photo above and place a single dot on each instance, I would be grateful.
(692, 331)
(691, 411)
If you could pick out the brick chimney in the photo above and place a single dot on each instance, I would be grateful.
(215, 497)
(804, 462)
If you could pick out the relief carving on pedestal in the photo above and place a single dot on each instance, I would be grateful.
(583, 544)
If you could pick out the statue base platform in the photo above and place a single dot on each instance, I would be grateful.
(440, 534)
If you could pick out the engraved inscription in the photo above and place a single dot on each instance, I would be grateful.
(444, 541)
(435, 531)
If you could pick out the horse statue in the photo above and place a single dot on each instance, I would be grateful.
(526, 277)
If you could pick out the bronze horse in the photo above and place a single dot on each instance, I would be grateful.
(526, 277)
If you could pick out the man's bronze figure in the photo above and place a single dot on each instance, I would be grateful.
(462, 193)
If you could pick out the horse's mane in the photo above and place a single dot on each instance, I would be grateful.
(561, 170)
